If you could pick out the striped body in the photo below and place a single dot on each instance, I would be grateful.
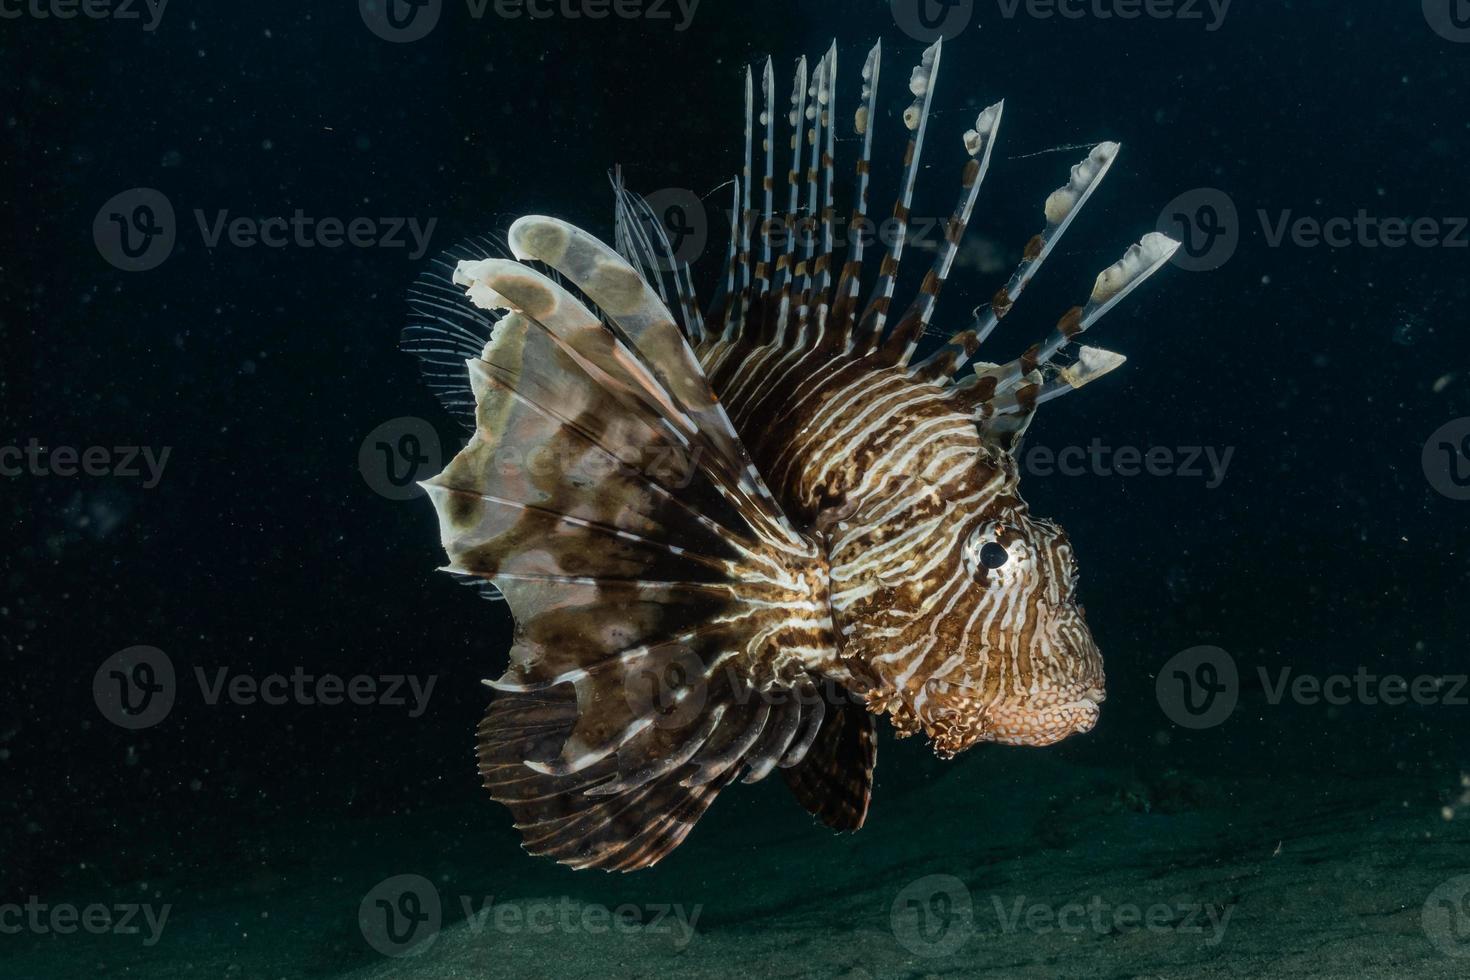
(890, 475)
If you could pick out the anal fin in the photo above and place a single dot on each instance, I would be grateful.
(834, 781)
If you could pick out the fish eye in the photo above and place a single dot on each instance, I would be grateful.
(991, 547)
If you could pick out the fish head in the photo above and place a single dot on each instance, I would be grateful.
(975, 633)
(1024, 668)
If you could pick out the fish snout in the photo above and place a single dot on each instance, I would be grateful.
(1045, 719)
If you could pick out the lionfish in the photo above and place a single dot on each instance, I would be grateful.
(733, 534)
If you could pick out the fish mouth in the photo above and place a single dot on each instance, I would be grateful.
(1039, 724)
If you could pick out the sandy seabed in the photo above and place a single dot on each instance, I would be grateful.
(1013, 864)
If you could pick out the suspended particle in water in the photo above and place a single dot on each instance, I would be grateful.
(1408, 327)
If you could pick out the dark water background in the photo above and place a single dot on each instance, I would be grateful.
(263, 548)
